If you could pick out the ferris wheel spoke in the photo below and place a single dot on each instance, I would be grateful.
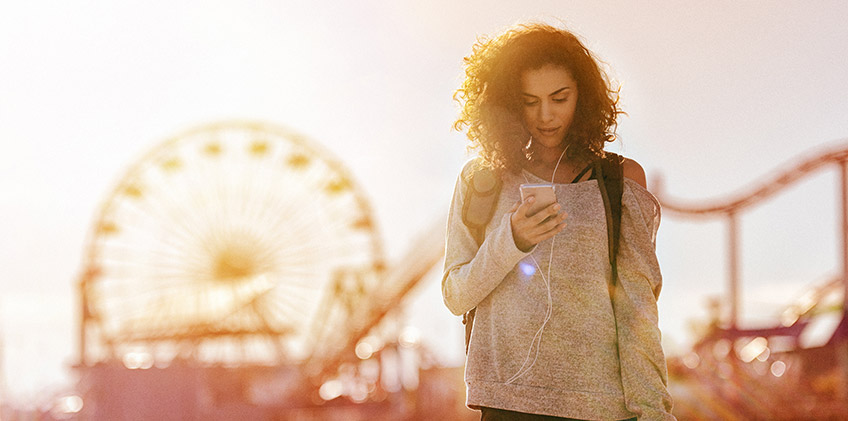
(304, 194)
(269, 218)
(136, 278)
(174, 235)
(295, 277)
(281, 199)
(314, 191)
(318, 254)
(295, 300)
(295, 211)
(198, 217)
(337, 227)
(291, 297)
(132, 289)
(162, 199)
(293, 313)
(306, 238)
(250, 191)
(166, 255)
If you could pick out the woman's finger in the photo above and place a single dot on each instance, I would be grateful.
(545, 213)
(556, 229)
(525, 206)
(548, 228)
(553, 221)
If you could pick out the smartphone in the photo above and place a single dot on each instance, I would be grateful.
(544, 193)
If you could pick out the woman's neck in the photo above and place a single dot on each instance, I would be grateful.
(549, 156)
(544, 162)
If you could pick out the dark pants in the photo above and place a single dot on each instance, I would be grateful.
(493, 414)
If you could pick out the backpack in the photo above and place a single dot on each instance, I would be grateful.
(484, 187)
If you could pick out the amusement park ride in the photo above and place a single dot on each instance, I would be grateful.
(766, 372)
(236, 272)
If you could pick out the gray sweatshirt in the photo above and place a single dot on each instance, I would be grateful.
(581, 368)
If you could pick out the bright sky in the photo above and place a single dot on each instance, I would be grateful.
(718, 94)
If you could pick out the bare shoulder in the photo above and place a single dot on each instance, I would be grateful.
(634, 171)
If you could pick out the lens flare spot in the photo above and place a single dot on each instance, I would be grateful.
(364, 350)
(692, 360)
(331, 390)
(527, 269)
(778, 368)
(409, 337)
(69, 404)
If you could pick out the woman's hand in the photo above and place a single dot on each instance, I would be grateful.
(529, 230)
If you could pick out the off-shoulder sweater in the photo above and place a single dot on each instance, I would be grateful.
(592, 363)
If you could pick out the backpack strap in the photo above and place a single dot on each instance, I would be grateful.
(483, 187)
(482, 190)
(610, 174)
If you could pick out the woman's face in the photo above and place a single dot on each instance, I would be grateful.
(550, 99)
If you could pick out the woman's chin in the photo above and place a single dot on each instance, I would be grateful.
(549, 142)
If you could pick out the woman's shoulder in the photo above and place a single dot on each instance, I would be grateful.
(472, 165)
(634, 171)
(636, 194)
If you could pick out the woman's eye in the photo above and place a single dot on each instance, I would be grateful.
(529, 103)
(563, 99)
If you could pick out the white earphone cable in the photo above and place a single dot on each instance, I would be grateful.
(546, 279)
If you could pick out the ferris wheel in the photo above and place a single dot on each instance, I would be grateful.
(219, 245)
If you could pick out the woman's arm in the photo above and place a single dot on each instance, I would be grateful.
(472, 273)
(643, 366)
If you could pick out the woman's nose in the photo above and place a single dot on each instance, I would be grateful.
(545, 112)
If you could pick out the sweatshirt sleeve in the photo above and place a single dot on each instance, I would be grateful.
(644, 374)
(470, 273)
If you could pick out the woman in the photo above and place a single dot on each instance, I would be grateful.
(550, 340)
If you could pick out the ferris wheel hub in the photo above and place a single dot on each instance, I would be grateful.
(234, 263)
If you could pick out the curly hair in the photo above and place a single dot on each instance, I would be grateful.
(490, 95)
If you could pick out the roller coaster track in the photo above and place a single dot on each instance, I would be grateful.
(730, 207)
(744, 392)
(759, 193)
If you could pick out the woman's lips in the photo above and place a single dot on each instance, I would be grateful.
(548, 132)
